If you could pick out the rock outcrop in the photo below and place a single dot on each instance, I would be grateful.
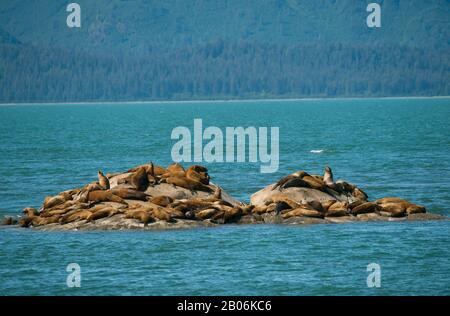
(153, 197)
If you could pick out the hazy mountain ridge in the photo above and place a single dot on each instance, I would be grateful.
(134, 25)
(140, 50)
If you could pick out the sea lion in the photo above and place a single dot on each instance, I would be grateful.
(338, 207)
(189, 184)
(161, 200)
(104, 196)
(150, 168)
(394, 209)
(161, 214)
(131, 194)
(415, 209)
(390, 200)
(174, 213)
(328, 177)
(207, 213)
(280, 197)
(103, 181)
(314, 183)
(51, 201)
(336, 213)
(105, 212)
(301, 211)
(326, 204)
(40, 221)
(25, 221)
(232, 214)
(316, 205)
(198, 173)
(139, 179)
(75, 216)
(8, 220)
(217, 193)
(281, 206)
(299, 174)
(368, 207)
(260, 209)
(30, 211)
(359, 194)
(295, 183)
(141, 215)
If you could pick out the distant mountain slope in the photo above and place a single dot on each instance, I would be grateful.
(134, 25)
(228, 49)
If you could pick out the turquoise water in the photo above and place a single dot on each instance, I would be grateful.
(388, 147)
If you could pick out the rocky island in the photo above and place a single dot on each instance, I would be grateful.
(152, 197)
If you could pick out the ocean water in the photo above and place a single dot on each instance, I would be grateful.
(389, 147)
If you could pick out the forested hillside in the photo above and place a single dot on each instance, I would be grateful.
(140, 50)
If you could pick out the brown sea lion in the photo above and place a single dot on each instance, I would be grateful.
(151, 168)
(217, 193)
(161, 214)
(299, 174)
(302, 212)
(129, 194)
(40, 221)
(105, 212)
(104, 196)
(394, 209)
(198, 173)
(161, 200)
(75, 216)
(103, 181)
(141, 215)
(25, 221)
(314, 183)
(232, 214)
(336, 213)
(368, 207)
(8, 220)
(51, 201)
(390, 200)
(338, 206)
(359, 194)
(207, 213)
(260, 209)
(139, 179)
(328, 177)
(189, 184)
(295, 183)
(415, 209)
(326, 204)
(316, 205)
(30, 211)
(174, 213)
(280, 197)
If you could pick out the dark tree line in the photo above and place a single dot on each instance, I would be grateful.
(223, 70)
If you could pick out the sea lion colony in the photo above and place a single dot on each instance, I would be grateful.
(189, 195)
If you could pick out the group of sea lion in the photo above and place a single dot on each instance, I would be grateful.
(128, 198)
(354, 202)
(127, 195)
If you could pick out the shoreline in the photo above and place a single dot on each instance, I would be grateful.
(131, 225)
(221, 101)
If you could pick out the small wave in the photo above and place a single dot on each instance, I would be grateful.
(316, 151)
